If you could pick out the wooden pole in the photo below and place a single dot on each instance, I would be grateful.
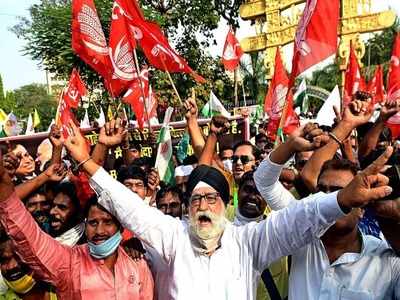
(172, 82)
(142, 89)
(236, 88)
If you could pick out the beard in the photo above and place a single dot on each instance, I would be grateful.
(207, 236)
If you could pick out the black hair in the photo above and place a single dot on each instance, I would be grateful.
(190, 160)
(339, 165)
(132, 172)
(248, 176)
(39, 191)
(144, 162)
(173, 189)
(93, 201)
(255, 151)
(68, 188)
(260, 136)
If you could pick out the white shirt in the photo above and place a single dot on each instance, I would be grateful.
(372, 274)
(230, 272)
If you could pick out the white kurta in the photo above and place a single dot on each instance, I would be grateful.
(245, 251)
(373, 274)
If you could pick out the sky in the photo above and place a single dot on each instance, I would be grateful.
(17, 69)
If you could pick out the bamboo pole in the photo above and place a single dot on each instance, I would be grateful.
(172, 82)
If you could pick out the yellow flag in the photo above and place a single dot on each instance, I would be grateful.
(110, 114)
(3, 116)
(36, 119)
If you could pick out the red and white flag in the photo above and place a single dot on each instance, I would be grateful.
(376, 86)
(64, 116)
(75, 90)
(316, 35)
(354, 81)
(121, 47)
(134, 96)
(151, 104)
(394, 86)
(232, 52)
(153, 42)
(275, 101)
(88, 40)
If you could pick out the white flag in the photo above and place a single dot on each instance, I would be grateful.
(214, 107)
(101, 120)
(29, 126)
(85, 123)
(326, 115)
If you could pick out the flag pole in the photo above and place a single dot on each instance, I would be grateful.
(244, 94)
(172, 82)
(141, 89)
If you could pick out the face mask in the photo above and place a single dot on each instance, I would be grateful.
(107, 248)
(22, 285)
(228, 164)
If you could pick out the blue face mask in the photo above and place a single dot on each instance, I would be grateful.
(106, 248)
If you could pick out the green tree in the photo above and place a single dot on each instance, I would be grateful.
(2, 95)
(28, 97)
(48, 40)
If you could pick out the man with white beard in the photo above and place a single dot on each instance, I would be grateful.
(207, 257)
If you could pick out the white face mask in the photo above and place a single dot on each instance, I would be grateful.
(228, 165)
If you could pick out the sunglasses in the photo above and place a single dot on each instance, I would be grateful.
(244, 159)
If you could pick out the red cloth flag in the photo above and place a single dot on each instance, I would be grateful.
(75, 90)
(121, 47)
(316, 35)
(64, 116)
(394, 86)
(134, 96)
(275, 101)
(232, 52)
(88, 40)
(376, 86)
(354, 82)
(153, 42)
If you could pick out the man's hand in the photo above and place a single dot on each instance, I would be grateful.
(11, 163)
(76, 144)
(388, 209)
(192, 112)
(153, 181)
(219, 125)
(308, 137)
(55, 136)
(357, 113)
(367, 186)
(388, 110)
(113, 133)
(6, 184)
(134, 249)
(56, 172)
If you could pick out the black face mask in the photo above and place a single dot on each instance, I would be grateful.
(16, 273)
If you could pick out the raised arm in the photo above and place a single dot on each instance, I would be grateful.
(47, 257)
(218, 126)
(55, 172)
(57, 143)
(149, 224)
(306, 138)
(196, 136)
(355, 115)
(371, 139)
(287, 230)
(111, 135)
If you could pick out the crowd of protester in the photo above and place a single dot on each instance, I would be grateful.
(315, 217)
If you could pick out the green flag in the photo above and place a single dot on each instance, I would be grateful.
(214, 107)
(301, 98)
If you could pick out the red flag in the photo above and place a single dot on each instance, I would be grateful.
(275, 101)
(354, 82)
(153, 42)
(121, 52)
(316, 35)
(134, 96)
(64, 116)
(232, 52)
(376, 86)
(75, 90)
(88, 40)
(394, 86)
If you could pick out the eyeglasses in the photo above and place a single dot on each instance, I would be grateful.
(211, 198)
(244, 159)
(328, 188)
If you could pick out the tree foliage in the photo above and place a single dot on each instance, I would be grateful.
(48, 40)
(28, 97)
(2, 95)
